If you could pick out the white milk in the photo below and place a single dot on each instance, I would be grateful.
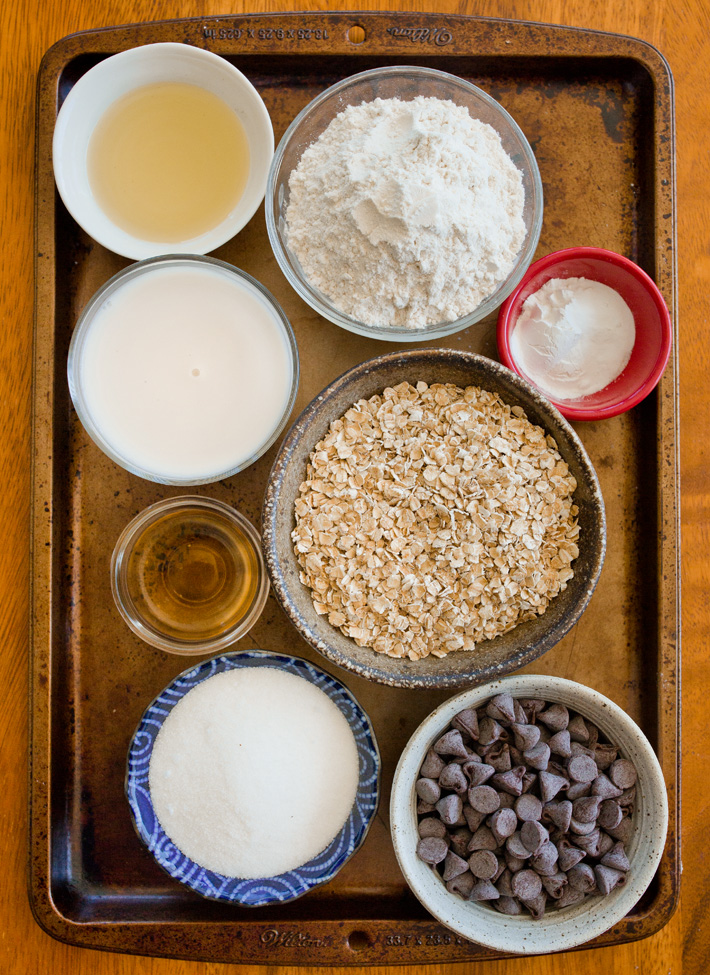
(186, 371)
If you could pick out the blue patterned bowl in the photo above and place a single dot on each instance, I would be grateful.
(270, 890)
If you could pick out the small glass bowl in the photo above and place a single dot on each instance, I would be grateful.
(104, 296)
(188, 575)
(404, 82)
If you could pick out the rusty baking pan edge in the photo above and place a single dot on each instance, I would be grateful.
(398, 36)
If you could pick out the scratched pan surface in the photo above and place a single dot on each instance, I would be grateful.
(597, 110)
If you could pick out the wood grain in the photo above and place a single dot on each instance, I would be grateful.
(680, 29)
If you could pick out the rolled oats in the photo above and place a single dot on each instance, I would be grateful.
(432, 518)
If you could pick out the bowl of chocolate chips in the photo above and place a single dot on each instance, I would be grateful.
(529, 814)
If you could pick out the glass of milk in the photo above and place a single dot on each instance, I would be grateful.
(183, 369)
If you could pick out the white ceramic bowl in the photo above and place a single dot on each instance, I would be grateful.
(558, 929)
(122, 73)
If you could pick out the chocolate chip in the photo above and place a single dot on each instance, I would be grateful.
(482, 839)
(525, 735)
(589, 842)
(467, 722)
(606, 843)
(508, 905)
(604, 787)
(581, 829)
(538, 756)
(544, 860)
(454, 866)
(570, 897)
(451, 743)
(461, 885)
(503, 884)
(483, 864)
(578, 729)
(569, 855)
(501, 707)
(536, 906)
(576, 749)
(559, 813)
(624, 831)
(607, 878)
(520, 715)
(560, 744)
(581, 877)
(450, 808)
(428, 790)
(528, 808)
(432, 765)
(498, 755)
(604, 755)
(453, 778)
(556, 717)
(489, 731)
(478, 774)
(432, 849)
(483, 890)
(554, 884)
(473, 817)
(432, 827)
(550, 785)
(503, 823)
(511, 782)
(515, 846)
(526, 885)
(579, 789)
(532, 707)
(424, 808)
(582, 769)
(483, 798)
(513, 863)
(610, 814)
(616, 858)
(586, 810)
(459, 838)
(533, 835)
(627, 797)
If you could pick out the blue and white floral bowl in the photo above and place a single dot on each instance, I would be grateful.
(269, 890)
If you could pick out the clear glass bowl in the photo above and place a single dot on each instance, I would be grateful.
(405, 83)
(76, 371)
(188, 575)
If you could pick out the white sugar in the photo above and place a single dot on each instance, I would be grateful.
(253, 772)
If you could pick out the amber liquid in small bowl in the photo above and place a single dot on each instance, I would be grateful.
(192, 575)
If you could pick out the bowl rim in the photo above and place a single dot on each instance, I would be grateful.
(83, 207)
(518, 935)
(390, 333)
(125, 604)
(84, 322)
(264, 891)
(570, 409)
(272, 502)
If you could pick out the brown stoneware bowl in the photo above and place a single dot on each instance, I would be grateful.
(491, 658)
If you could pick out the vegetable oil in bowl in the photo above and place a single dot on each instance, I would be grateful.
(168, 161)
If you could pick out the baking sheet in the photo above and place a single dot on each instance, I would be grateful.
(598, 112)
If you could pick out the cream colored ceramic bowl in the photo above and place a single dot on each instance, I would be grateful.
(558, 929)
(123, 73)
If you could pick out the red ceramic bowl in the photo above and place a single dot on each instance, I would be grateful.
(653, 326)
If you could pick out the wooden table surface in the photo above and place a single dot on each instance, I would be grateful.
(680, 29)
